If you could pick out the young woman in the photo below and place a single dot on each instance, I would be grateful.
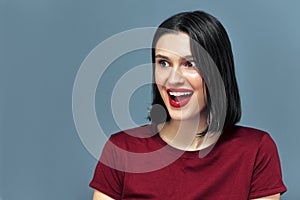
(193, 148)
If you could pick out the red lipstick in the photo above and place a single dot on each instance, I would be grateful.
(179, 97)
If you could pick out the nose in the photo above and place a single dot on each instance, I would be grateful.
(175, 77)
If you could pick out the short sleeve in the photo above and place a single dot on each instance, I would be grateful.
(107, 179)
(267, 176)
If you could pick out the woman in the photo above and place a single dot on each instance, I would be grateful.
(193, 150)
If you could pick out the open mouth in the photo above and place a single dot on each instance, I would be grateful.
(179, 97)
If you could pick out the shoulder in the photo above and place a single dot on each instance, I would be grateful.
(247, 139)
(243, 133)
(136, 139)
(134, 134)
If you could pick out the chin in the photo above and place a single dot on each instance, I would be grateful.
(183, 116)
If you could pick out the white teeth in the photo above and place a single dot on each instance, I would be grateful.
(176, 94)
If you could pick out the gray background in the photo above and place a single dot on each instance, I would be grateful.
(43, 43)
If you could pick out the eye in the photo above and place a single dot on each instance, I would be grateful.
(163, 63)
(190, 64)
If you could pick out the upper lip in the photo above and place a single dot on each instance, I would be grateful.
(178, 90)
(183, 91)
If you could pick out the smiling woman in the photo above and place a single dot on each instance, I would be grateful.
(178, 80)
(208, 155)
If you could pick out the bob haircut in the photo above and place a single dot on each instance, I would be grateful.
(211, 36)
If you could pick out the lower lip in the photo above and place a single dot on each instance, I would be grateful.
(180, 104)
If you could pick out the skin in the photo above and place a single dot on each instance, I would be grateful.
(272, 197)
(175, 68)
(100, 196)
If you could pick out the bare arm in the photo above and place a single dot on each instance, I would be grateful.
(100, 196)
(272, 197)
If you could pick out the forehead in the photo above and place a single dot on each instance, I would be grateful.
(175, 43)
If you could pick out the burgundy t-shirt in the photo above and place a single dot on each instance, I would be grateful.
(138, 164)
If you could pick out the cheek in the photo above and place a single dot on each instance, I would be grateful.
(159, 81)
(195, 80)
(161, 76)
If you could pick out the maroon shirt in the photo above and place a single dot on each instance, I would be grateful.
(244, 164)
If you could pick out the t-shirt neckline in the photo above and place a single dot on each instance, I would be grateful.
(184, 153)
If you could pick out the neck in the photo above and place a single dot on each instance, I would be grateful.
(182, 134)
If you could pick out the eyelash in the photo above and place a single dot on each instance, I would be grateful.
(188, 64)
(160, 62)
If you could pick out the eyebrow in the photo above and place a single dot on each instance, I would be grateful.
(166, 57)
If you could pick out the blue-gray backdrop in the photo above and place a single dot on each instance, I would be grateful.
(43, 43)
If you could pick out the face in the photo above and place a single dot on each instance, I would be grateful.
(177, 77)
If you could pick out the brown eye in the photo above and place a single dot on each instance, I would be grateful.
(163, 63)
(190, 64)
